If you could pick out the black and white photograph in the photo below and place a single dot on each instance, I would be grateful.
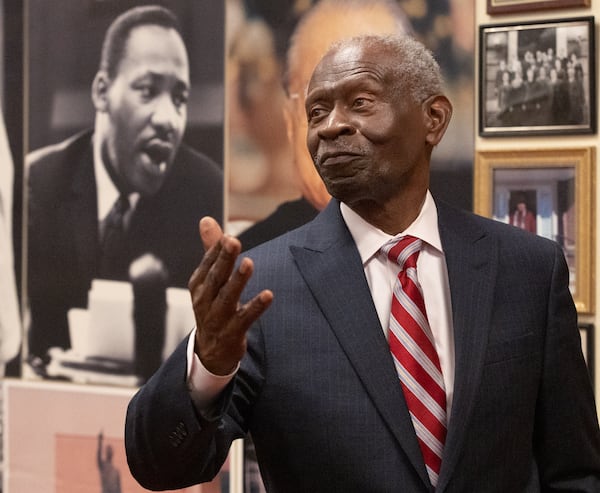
(125, 154)
(537, 78)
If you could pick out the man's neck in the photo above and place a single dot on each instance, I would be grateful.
(395, 215)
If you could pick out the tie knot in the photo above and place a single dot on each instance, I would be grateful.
(403, 251)
(121, 205)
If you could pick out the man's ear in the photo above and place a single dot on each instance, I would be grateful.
(100, 91)
(437, 111)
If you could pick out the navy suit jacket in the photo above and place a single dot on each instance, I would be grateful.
(63, 244)
(318, 390)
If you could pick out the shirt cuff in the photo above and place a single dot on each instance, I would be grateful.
(204, 386)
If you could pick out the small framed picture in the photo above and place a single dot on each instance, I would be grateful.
(537, 78)
(586, 331)
(512, 6)
(547, 192)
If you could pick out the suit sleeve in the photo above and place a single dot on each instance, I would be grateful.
(566, 438)
(169, 445)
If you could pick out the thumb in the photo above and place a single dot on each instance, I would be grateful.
(210, 232)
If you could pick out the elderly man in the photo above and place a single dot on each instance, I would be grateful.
(393, 343)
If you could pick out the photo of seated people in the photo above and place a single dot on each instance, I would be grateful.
(540, 79)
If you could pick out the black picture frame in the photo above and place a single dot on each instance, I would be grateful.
(537, 78)
(586, 331)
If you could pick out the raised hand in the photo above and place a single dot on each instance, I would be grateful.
(215, 286)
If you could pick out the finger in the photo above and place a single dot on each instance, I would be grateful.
(229, 294)
(252, 310)
(206, 263)
(210, 232)
(216, 278)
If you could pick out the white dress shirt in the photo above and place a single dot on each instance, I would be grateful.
(106, 191)
(381, 275)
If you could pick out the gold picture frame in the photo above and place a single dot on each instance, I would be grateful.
(556, 190)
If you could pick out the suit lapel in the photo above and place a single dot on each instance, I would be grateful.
(471, 258)
(332, 268)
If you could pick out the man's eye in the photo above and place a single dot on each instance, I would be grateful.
(147, 91)
(316, 113)
(180, 99)
(360, 102)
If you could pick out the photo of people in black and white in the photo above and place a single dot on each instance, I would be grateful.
(125, 128)
(537, 78)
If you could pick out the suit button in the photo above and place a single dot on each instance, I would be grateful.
(177, 436)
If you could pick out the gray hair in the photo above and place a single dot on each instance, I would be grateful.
(344, 12)
(415, 70)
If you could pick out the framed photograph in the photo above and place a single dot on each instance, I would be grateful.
(537, 78)
(549, 192)
(512, 6)
(76, 448)
(586, 331)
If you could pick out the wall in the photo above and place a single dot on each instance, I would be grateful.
(543, 142)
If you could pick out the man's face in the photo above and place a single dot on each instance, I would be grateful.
(367, 141)
(311, 46)
(146, 105)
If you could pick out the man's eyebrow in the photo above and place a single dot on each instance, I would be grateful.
(159, 76)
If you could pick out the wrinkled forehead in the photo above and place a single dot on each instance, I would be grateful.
(348, 61)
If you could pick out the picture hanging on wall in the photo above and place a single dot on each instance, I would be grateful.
(124, 155)
(537, 78)
(79, 445)
(547, 192)
(512, 6)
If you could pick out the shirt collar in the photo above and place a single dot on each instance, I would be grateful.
(369, 239)
(106, 190)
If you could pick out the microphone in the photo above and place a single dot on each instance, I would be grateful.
(149, 279)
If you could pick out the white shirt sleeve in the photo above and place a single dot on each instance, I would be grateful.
(204, 386)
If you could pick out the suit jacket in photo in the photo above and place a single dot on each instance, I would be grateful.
(319, 393)
(288, 215)
(63, 238)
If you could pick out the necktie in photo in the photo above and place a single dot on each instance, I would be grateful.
(114, 257)
(415, 357)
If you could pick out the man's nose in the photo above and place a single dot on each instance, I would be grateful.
(337, 123)
(166, 115)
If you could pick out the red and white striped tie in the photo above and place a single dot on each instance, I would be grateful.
(415, 357)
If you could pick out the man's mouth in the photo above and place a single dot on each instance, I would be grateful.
(159, 153)
(335, 158)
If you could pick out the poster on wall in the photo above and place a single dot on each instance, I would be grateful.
(125, 155)
(78, 446)
(272, 48)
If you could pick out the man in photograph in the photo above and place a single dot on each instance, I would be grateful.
(124, 190)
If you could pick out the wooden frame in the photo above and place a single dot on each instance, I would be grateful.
(513, 6)
(557, 186)
(537, 78)
(586, 331)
